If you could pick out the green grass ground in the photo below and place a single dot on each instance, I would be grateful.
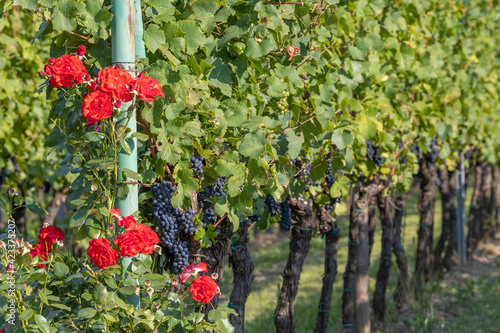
(470, 301)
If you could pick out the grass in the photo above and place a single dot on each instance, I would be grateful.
(270, 262)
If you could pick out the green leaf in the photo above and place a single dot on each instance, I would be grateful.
(28, 4)
(86, 313)
(26, 314)
(356, 53)
(93, 228)
(294, 143)
(80, 216)
(253, 144)
(131, 174)
(95, 136)
(367, 126)
(99, 294)
(342, 138)
(60, 269)
(42, 323)
(60, 306)
(37, 209)
(153, 37)
(194, 36)
(61, 22)
(257, 49)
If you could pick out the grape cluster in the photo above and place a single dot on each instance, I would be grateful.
(371, 153)
(181, 256)
(172, 220)
(197, 164)
(216, 190)
(254, 218)
(274, 207)
(286, 215)
(304, 172)
(283, 103)
(236, 49)
(414, 148)
(433, 152)
(330, 179)
(468, 154)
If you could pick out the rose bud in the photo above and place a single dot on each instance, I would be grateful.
(214, 276)
(147, 283)
(118, 104)
(81, 50)
(150, 292)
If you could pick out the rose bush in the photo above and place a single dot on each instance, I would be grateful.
(56, 291)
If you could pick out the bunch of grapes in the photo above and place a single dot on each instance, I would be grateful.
(330, 179)
(286, 215)
(304, 172)
(172, 220)
(433, 152)
(414, 148)
(283, 103)
(236, 49)
(181, 256)
(197, 164)
(274, 207)
(216, 190)
(371, 153)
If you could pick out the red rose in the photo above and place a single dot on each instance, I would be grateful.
(49, 235)
(39, 250)
(101, 254)
(126, 221)
(96, 106)
(81, 50)
(65, 71)
(203, 289)
(148, 88)
(130, 243)
(116, 82)
(149, 237)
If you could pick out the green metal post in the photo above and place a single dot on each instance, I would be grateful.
(123, 55)
(140, 49)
